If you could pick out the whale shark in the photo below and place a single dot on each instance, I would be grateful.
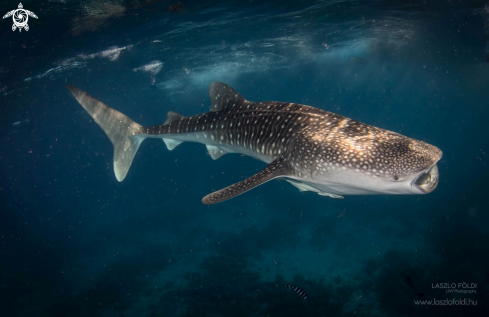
(313, 149)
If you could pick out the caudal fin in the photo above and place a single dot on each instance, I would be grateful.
(124, 133)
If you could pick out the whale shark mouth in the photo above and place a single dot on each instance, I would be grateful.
(427, 181)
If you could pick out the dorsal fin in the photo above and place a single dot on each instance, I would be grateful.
(172, 116)
(223, 97)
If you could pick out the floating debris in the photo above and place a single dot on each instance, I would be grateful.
(176, 7)
(153, 67)
(112, 53)
(20, 125)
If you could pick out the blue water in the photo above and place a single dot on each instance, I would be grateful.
(76, 242)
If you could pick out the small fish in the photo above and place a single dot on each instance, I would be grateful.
(298, 291)
(408, 280)
(421, 296)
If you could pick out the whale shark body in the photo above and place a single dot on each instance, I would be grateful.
(313, 149)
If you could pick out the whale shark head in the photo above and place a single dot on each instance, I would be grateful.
(416, 171)
(373, 161)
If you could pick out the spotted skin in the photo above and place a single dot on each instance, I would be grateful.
(331, 154)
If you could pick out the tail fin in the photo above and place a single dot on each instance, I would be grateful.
(124, 133)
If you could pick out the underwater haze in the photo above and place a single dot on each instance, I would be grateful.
(74, 241)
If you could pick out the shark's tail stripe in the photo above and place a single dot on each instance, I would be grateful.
(125, 134)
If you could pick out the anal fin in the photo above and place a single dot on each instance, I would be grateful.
(277, 168)
(171, 144)
(215, 152)
(170, 118)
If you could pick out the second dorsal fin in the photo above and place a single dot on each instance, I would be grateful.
(223, 97)
(172, 117)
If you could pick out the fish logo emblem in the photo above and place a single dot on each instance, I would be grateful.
(20, 18)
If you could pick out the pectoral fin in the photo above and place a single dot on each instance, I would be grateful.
(278, 168)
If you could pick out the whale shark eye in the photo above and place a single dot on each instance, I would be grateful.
(396, 178)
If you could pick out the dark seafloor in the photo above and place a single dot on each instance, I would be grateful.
(76, 242)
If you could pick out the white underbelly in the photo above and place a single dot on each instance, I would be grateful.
(348, 182)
